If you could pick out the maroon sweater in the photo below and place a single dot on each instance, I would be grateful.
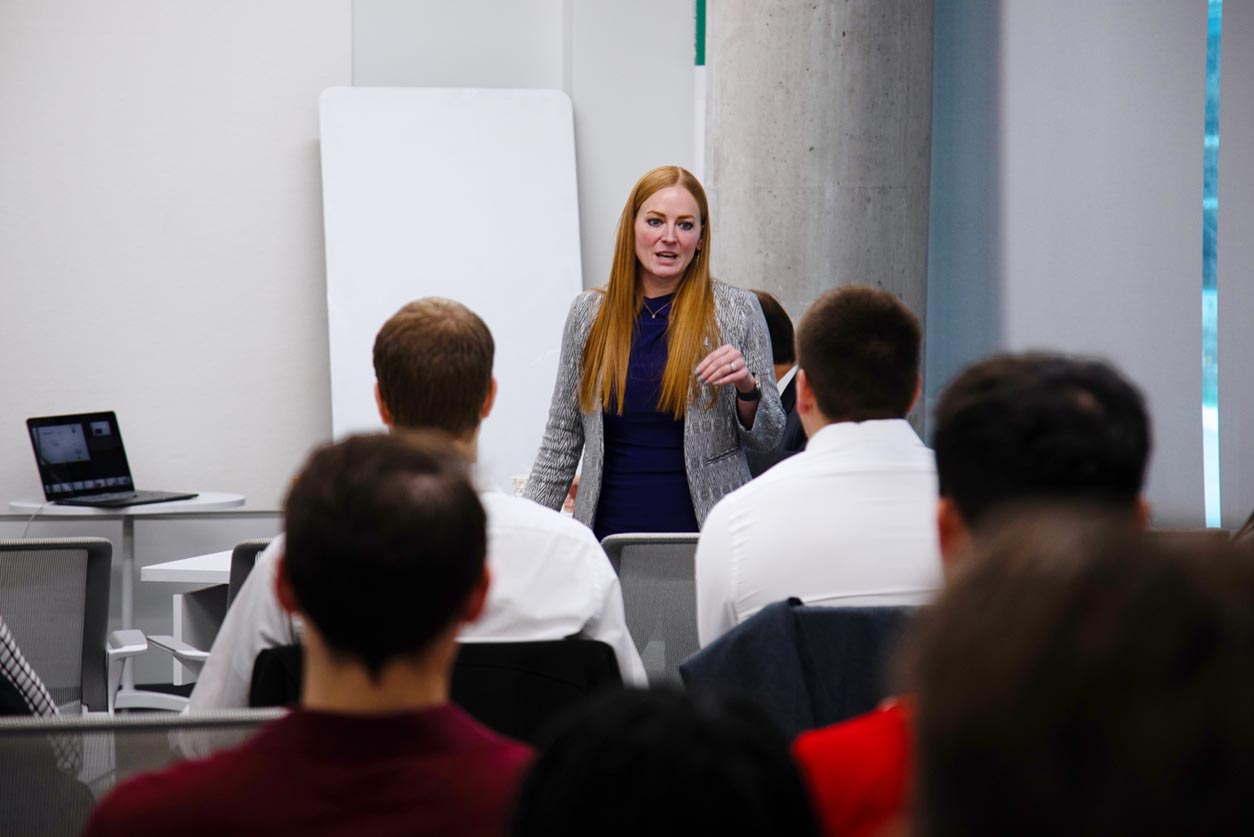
(433, 772)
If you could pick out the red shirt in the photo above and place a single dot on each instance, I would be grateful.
(858, 771)
(434, 772)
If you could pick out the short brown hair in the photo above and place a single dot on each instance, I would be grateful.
(433, 362)
(859, 347)
(1078, 676)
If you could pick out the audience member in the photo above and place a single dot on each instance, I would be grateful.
(664, 763)
(1079, 678)
(851, 519)
(784, 356)
(551, 579)
(1010, 429)
(384, 561)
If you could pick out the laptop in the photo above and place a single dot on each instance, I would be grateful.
(82, 463)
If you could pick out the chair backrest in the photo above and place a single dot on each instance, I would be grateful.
(54, 596)
(657, 573)
(43, 798)
(807, 666)
(243, 559)
(514, 688)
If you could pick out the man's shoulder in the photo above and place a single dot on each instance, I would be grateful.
(785, 478)
(510, 515)
(181, 796)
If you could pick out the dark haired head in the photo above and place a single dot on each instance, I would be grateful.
(1040, 426)
(664, 763)
(433, 362)
(779, 325)
(1078, 676)
(385, 543)
(859, 348)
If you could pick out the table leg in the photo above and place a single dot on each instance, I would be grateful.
(128, 590)
(128, 697)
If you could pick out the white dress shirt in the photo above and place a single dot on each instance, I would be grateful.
(550, 579)
(851, 521)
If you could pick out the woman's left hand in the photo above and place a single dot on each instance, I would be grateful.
(726, 365)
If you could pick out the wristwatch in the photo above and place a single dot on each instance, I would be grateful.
(754, 394)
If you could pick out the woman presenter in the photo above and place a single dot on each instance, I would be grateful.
(665, 376)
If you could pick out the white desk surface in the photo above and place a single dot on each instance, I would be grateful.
(204, 501)
(214, 568)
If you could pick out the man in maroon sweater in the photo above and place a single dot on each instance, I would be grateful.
(384, 561)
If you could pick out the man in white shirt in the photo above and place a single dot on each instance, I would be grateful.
(851, 520)
(550, 577)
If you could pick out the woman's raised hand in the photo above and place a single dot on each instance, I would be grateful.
(726, 365)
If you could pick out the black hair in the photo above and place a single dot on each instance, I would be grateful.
(779, 326)
(385, 541)
(664, 763)
(1040, 426)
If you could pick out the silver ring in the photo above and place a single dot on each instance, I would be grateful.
(732, 365)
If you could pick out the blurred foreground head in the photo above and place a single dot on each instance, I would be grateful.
(662, 763)
(1038, 427)
(1079, 677)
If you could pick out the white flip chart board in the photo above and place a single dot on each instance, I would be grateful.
(461, 193)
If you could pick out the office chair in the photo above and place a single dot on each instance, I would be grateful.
(514, 688)
(42, 797)
(657, 573)
(54, 596)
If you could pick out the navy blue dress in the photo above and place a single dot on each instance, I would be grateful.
(644, 483)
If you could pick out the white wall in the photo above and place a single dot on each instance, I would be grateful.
(160, 232)
(160, 209)
(1085, 223)
(627, 67)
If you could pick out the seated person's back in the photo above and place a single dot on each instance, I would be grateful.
(851, 519)
(1009, 429)
(551, 579)
(384, 560)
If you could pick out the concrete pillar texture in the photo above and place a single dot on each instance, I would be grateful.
(818, 145)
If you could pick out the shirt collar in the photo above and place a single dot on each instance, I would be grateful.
(844, 433)
(787, 379)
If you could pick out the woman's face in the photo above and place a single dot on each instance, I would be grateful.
(668, 233)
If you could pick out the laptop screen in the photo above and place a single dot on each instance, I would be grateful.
(79, 454)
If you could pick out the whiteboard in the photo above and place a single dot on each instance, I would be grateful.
(462, 193)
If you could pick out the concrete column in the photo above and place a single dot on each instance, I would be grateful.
(818, 145)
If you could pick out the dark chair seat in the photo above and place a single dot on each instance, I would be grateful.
(511, 687)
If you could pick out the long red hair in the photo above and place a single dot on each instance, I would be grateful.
(692, 331)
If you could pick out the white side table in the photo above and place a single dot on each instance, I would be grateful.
(128, 696)
(198, 614)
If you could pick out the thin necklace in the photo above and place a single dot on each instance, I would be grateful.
(653, 313)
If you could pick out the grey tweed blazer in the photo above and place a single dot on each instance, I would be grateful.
(714, 440)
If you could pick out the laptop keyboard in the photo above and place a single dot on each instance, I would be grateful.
(112, 495)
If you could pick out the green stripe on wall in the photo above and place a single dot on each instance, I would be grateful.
(700, 33)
